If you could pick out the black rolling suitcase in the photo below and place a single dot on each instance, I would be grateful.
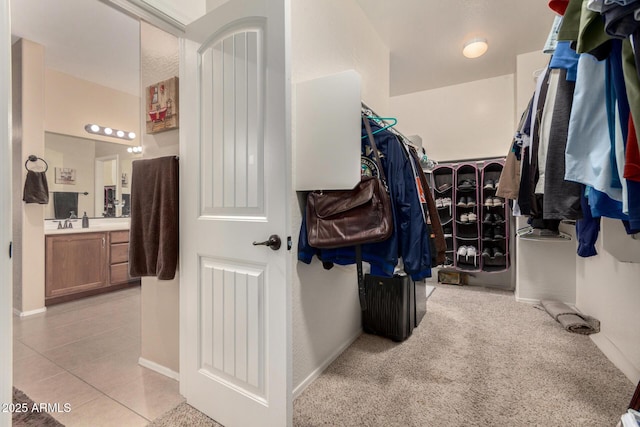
(390, 306)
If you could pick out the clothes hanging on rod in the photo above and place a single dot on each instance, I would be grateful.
(580, 153)
(410, 240)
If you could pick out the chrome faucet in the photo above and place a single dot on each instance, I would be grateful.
(67, 224)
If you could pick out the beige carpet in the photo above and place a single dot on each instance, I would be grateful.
(184, 415)
(478, 359)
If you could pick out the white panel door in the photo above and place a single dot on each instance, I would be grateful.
(235, 321)
(6, 282)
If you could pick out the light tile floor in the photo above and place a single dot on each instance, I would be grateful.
(85, 353)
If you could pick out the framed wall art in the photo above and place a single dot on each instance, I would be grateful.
(65, 176)
(162, 106)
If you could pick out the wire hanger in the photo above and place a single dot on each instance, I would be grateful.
(33, 158)
(381, 121)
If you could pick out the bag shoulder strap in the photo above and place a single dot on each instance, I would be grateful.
(374, 147)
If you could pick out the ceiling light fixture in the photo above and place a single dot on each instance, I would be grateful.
(475, 48)
(112, 133)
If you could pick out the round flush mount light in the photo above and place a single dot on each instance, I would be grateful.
(131, 135)
(108, 131)
(95, 128)
(120, 134)
(475, 48)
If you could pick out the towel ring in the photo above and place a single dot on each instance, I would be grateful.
(33, 158)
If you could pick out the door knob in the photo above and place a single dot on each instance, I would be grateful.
(274, 242)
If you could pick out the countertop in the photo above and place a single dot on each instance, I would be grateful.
(96, 225)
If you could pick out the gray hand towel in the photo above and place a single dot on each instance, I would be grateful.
(36, 188)
(65, 202)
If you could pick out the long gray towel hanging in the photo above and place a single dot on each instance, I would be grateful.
(64, 203)
(153, 235)
(570, 319)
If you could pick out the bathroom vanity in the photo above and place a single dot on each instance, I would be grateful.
(85, 261)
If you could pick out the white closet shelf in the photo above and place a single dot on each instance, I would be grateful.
(561, 237)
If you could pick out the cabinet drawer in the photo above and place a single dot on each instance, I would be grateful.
(120, 236)
(120, 273)
(119, 253)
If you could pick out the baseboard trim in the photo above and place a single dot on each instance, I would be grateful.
(159, 368)
(616, 356)
(534, 301)
(29, 313)
(528, 300)
(320, 369)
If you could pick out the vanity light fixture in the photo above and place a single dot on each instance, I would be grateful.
(110, 132)
(135, 150)
(475, 48)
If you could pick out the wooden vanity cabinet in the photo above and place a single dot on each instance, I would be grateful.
(119, 259)
(83, 264)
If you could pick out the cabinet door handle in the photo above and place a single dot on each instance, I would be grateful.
(103, 242)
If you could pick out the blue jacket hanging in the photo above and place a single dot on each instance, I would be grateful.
(409, 240)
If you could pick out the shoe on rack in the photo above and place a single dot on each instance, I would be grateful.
(488, 201)
(467, 184)
(497, 201)
(497, 252)
(472, 217)
(486, 253)
(446, 202)
(471, 202)
(447, 231)
(471, 253)
(438, 203)
(489, 218)
(462, 251)
(498, 232)
(489, 184)
(444, 187)
(487, 234)
(462, 202)
(497, 218)
(464, 217)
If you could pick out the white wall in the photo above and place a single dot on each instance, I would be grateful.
(468, 120)
(72, 103)
(28, 139)
(160, 298)
(609, 290)
(329, 37)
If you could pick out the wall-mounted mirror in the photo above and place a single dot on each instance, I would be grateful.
(77, 166)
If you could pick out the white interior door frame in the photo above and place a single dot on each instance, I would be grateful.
(6, 281)
(99, 182)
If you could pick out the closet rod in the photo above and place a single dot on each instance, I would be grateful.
(403, 138)
(475, 159)
(392, 129)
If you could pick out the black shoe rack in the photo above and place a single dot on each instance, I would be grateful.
(475, 221)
